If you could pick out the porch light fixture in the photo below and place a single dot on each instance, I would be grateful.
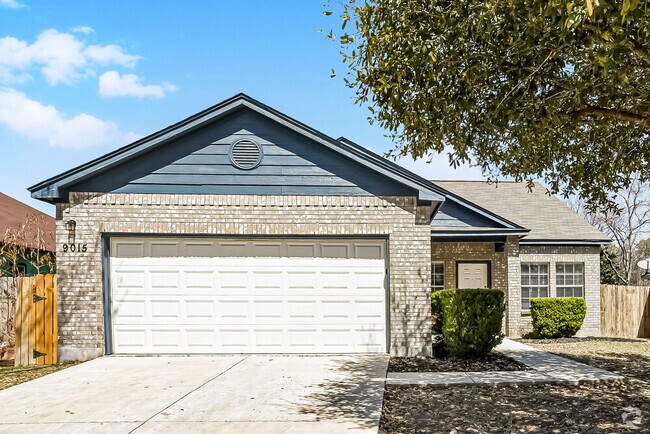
(71, 226)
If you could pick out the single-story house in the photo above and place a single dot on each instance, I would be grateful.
(242, 230)
(26, 239)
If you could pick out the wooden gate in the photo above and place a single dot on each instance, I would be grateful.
(37, 329)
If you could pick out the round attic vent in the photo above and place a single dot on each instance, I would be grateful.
(246, 154)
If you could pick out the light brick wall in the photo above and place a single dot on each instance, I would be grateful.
(590, 256)
(81, 328)
(506, 274)
(502, 273)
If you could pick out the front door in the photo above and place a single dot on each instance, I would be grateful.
(473, 275)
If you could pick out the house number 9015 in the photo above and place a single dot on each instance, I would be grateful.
(81, 248)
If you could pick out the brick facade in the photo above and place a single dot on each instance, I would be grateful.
(590, 256)
(506, 274)
(398, 219)
(81, 327)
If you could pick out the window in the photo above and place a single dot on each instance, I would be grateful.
(534, 283)
(437, 276)
(569, 279)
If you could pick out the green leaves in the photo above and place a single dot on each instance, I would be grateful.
(557, 317)
(470, 320)
(554, 89)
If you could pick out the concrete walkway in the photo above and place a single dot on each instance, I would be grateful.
(238, 394)
(545, 368)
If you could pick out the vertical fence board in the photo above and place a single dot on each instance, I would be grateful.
(24, 286)
(32, 320)
(24, 320)
(55, 319)
(39, 320)
(625, 311)
(47, 359)
(17, 317)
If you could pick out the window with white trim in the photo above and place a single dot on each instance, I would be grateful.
(534, 283)
(570, 279)
(437, 276)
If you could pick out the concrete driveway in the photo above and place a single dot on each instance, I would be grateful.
(239, 394)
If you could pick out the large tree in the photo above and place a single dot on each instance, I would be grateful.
(551, 89)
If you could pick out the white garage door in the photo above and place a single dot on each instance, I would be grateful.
(184, 296)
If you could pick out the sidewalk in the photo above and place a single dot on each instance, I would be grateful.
(545, 368)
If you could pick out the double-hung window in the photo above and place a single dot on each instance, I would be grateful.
(570, 279)
(437, 276)
(534, 283)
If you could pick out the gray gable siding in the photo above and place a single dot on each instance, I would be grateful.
(454, 215)
(198, 163)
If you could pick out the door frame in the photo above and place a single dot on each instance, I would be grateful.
(105, 245)
(485, 261)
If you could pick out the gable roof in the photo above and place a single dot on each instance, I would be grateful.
(548, 218)
(50, 189)
(14, 213)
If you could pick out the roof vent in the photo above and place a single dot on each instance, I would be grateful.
(246, 154)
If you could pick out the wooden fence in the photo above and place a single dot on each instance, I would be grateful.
(37, 331)
(625, 311)
(7, 318)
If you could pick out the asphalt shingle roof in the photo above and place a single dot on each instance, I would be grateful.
(13, 213)
(547, 217)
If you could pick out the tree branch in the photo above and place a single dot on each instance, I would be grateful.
(621, 115)
(614, 268)
(638, 51)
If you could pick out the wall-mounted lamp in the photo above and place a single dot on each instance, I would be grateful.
(71, 226)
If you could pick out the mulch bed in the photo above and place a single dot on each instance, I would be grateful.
(574, 340)
(600, 408)
(491, 362)
(622, 407)
(441, 362)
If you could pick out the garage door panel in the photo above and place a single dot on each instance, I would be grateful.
(259, 339)
(221, 296)
(167, 309)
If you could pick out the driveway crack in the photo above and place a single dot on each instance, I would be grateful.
(189, 393)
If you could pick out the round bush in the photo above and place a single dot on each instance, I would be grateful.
(557, 317)
(470, 320)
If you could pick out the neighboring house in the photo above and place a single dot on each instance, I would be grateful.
(26, 239)
(242, 230)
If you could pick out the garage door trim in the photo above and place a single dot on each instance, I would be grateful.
(106, 283)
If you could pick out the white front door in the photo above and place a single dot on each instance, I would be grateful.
(472, 275)
(177, 296)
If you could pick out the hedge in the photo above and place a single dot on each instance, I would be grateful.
(469, 320)
(557, 317)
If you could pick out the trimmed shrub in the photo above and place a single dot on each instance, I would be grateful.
(557, 317)
(436, 313)
(470, 320)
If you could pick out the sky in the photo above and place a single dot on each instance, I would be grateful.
(79, 79)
